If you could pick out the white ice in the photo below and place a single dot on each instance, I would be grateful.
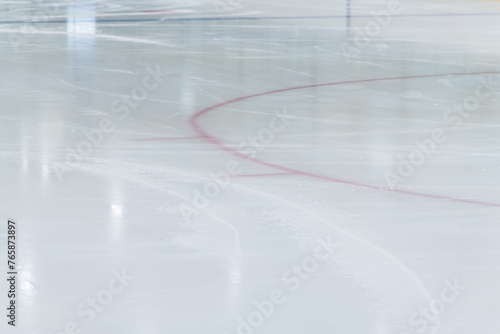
(116, 116)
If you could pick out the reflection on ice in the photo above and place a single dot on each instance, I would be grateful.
(81, 17)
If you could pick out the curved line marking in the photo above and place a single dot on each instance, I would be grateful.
(194, 122)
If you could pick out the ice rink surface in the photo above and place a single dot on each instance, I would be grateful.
(251, 167)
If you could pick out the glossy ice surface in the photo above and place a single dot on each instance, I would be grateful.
(251, 167)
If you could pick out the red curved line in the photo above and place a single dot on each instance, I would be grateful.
(193, 121)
